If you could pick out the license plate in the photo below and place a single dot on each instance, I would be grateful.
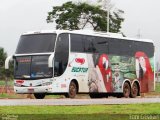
(31, 90)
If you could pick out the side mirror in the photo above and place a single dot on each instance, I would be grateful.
(8, 59)
(50, 60)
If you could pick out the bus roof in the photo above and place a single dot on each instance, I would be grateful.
(89, 32)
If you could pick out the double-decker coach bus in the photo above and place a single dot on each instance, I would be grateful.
(71, 62)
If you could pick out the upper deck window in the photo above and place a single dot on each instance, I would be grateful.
(36, 43)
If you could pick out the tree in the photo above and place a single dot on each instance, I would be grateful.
(3, 72)
(107, 6)
(3, 56)
(71, 16)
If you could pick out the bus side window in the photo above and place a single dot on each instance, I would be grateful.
(120, 47)
(147, 48)
(77, 43)
(89, 45)
(101, 45)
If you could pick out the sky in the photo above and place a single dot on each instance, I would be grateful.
(19, 16)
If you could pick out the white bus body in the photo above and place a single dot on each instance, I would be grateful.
(71, 62)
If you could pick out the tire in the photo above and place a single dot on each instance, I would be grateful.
(126, 90)
(39, 95)
(134, 90)
(72, 90)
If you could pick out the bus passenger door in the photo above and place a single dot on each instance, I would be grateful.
(61, 54)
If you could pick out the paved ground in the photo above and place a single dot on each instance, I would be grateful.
(13, 102)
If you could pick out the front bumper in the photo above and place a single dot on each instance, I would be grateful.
(23, 90)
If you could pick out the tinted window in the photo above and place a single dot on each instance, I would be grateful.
(146, 47)
(101, 45)
(22, 67)
(82, 43)
(77, 43)
(32, 67)
(120, 47)
(89, 45)
(36, 43)
(114, 46)
(39, 67)
(125, 47)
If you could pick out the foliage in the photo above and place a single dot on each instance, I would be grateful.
(10, 96)
(3, 72)
(2, 83)
(157, 87)
(71, 16)
(3, 56)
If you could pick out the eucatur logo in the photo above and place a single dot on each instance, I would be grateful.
(80, 60)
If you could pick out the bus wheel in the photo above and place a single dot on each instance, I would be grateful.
(72, 90)
(134, 90)
(126, 90)
(39, 95)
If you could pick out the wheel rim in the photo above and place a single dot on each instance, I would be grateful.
(134, 90)
(126, 90)
(72, 90)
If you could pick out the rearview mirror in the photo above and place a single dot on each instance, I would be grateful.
(50, 60)
(7, 61)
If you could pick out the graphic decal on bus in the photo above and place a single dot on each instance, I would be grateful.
(76, 61)
(103, 64)
(78, 64)
(80, 60)
(96, 82)
(109, 72)
(123, 67)
(144, 71)
(79, 69)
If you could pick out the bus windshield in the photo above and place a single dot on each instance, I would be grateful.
(36, 43)
(32, 67)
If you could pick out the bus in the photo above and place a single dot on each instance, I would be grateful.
(71, 62)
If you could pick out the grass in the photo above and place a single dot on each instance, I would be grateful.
(91, 109)
(54, 96)
(157, 87)
(2, 82)
(5, 95)
(82, 112)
